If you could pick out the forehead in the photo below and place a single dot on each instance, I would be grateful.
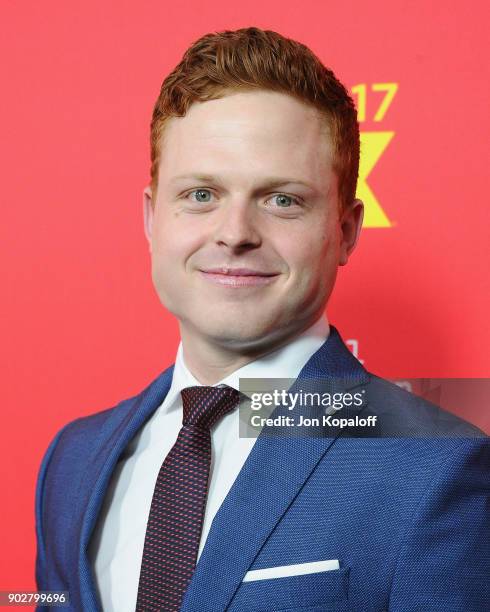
(246, 134)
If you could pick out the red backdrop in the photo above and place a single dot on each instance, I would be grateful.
(82, 327)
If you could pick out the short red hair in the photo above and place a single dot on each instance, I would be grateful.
(251, 58)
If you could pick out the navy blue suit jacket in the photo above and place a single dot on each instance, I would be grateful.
(407, 518)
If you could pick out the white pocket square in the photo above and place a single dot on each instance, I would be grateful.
(298, 569)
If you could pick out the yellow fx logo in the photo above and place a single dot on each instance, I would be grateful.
(373, 145)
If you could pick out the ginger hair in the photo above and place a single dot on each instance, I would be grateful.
(250, 58)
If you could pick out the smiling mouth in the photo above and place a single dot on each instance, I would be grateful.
(238, 277)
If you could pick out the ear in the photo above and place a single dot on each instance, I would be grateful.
(350, 228)
(148, 213)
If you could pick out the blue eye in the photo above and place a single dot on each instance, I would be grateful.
(285, 200)
(199, 193)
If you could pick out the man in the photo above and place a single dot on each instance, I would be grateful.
(250, 211)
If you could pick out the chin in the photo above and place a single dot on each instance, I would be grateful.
(245, 336)
(236, 334)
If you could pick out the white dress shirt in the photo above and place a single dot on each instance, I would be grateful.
(116, 548)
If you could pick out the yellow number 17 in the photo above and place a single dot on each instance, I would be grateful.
(361, 92)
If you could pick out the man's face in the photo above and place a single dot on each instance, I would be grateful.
(244, 231)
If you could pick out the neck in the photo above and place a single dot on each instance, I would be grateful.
(210, 361)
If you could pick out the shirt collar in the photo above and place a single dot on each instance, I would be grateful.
(285, 362)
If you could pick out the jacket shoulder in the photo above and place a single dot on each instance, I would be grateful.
(78, 437)
(404, 413)
(93, 423)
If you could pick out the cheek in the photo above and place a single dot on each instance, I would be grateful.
(313, 267)
(307, 253)
(172, 243)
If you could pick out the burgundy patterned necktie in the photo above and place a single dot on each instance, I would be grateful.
(177, 508)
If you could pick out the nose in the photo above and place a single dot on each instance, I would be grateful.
(236, 226)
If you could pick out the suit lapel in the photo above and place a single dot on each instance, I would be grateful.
(268, 483)
(117, 432)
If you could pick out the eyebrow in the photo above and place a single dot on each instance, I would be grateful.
(269, 182)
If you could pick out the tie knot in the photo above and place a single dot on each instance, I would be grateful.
(203, 406)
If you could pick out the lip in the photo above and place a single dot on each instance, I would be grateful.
(238, 277)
